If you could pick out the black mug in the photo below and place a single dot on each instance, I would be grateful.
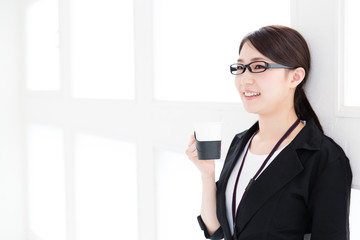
(208, 149)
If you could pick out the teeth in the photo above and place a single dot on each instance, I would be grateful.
(251, 94)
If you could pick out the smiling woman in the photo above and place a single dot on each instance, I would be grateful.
(275, 182)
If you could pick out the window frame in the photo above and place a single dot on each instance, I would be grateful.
(341, 110)
(50, 107)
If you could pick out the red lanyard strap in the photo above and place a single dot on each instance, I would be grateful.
(234, 209)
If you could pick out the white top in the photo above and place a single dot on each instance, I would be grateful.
(252, 164)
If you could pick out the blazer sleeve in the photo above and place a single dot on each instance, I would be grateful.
(329, 203)
(218, 234)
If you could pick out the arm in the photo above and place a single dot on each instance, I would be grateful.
(330, 202)
(208, 204)
(208, 220)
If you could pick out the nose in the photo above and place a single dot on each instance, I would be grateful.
(246, 78)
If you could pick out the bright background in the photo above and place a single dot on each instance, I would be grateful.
(98, 101)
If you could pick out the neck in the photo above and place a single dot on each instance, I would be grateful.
(274, 126)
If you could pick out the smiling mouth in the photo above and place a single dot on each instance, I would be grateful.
(251, 94)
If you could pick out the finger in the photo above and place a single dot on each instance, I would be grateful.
(192, 140)
(191, 152)
(192, 148)
(188, 151)
(194, 154)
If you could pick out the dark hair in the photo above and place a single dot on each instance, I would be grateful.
(286, 46)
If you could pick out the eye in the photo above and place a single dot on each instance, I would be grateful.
(240, 67)
(259, 66)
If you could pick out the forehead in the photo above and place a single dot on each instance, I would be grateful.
(249, 53)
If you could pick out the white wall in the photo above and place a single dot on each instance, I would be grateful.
(12, 191)
(320, 23)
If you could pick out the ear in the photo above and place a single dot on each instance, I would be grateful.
(296, 77)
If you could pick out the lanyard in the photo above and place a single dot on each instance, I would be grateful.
(234, 208)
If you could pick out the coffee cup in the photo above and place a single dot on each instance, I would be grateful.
(208, 140)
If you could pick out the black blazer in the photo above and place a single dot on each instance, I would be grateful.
(305, 189)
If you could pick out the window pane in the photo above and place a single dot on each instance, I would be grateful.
(178, 194)
(352, 51)
(42, 45)
(105, 189)
(46, 182)
(193, 53)
(102, 46)
(355, 214)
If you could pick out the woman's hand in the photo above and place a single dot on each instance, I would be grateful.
(206, 167)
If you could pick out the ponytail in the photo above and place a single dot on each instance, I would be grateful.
(303, 106)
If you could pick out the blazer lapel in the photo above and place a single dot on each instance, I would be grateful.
(271, 180)
(230, 161)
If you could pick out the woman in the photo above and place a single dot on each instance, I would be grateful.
(282, 178)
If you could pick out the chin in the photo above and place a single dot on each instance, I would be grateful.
(251, 109)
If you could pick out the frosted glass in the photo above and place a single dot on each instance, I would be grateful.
(352, 39)
(102, 49)
(178, 194)
(355, 214)
(105, 189)
(196, 41)
(42, 45)
(46, 182)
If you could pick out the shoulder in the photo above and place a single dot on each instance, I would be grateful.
(312, 142)
(324, 161)
(319, 153)
(331, 149)
(329, 160)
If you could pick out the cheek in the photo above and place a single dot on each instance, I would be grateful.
(274, 88)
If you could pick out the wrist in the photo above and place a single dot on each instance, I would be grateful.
(210, 177)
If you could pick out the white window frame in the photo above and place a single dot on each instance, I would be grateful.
(341, 110)
(60, 109)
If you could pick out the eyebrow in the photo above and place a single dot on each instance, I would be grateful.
(253, 59)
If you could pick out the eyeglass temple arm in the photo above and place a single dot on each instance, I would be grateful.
(275, 65)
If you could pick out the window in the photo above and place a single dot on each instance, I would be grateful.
(176, 178)
(42, 45)
(102, 49)
(352, 51)
(81, 185)
(46, 182)
(194, 47)
(91, 151)
(105, 188)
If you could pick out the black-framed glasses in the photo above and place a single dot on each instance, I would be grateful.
(254, 67)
